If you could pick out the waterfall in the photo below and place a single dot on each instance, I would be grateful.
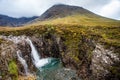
(36, 58)
(38, 62)
(34, 53)
(23, 62)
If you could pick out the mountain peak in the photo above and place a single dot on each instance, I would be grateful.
(60, 5)
(65, 5)
(62, 10)
(60, 13)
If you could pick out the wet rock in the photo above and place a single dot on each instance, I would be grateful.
(88, 60)
(103, 61)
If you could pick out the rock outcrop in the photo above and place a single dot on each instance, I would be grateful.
(105, 64)
(90, 60)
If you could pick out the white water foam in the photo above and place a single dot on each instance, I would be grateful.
(36, 58)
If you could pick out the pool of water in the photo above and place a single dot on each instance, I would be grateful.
(54, 70)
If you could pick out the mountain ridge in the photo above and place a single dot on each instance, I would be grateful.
(61, 14)
(14, 22)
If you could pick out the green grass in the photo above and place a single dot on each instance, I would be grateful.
(84, 20)
(107, 35)
(71, 29)
(103, 30)
(13, 70)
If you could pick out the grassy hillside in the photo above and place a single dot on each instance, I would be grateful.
(72, 15)
(72, 36)
(85, 20)
(110, 36)
(72, 25)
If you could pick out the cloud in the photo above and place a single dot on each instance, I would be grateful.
(19, 8)
(111, 9)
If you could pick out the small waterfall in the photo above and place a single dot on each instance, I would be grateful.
(36, 58)
(47, 68)
(34, 53)
(23, 62)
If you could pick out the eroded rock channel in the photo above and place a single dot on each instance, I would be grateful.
(45, 56)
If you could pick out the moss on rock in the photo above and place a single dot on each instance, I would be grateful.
(13, 70)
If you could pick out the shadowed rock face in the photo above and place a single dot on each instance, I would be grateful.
(93, 61)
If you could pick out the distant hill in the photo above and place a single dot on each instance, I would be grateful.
(66, 14)
(10, 21)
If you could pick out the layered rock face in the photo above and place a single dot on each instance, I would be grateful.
(91, 62)
(105, 64)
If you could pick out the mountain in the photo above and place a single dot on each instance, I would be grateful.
(10, 21)
(66, 14)
(62, 10)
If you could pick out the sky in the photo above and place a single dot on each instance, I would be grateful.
(29, 8)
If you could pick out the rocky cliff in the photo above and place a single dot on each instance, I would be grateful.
(90, 59)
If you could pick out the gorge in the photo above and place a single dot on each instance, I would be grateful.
(34, 57)
(41, 65)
